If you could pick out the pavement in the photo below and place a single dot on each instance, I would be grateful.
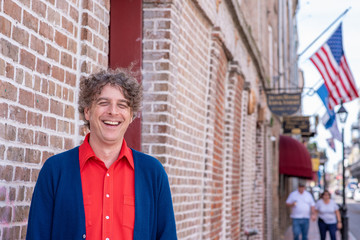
(314, 233)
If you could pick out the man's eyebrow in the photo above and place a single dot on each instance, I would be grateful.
(106, 99)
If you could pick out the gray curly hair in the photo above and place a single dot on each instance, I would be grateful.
(91, 87)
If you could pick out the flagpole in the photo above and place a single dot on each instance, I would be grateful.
(341, 15)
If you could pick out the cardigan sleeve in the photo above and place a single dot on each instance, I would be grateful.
(166, 227)
(42, 204)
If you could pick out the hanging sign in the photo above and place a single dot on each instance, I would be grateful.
(283, 104)
(296, 125)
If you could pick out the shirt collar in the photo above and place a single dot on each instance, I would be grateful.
(86, 153)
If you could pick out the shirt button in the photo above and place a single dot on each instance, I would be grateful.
(107, 239)
(84, 236)
(108, 174)
(107, 217)
(107, 195)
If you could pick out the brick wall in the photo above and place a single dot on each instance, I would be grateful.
(200, 60)
(196, 120)
(45, 47)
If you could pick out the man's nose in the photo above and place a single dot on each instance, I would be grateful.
(113, 109)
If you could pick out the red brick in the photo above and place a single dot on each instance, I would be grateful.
(15, 154)
(17, 114)
(58, 73)
(69, 112)
(41, 138)
(66, 59)
(53, 16)
(9, 50)
(22, 174)
(28, 193)
(37, 44)
(5, 26)
(28, 80)
(5, 214)
(6, 173)
(61, 39)
(52, 88)
(88, 20)
(44, 85)
(65, 94)
(32, 156)
(43, 67)
(69, 143)
(46, 156)
(27, 59)
(34, 175)
(58, 91)
(34, 119)
(30, 21)
(70, 79)
(2, 155)
(72, 46)
(67, 25)
(3, 110)
(74, 14)
(52, 53)
(26, 98)
(26, 135)
(10, 71)
(20, 194)
(86, 35)
(56, 107)
(39, 7)
(19, 76)
(63, 5)
(12, 9)
(2, 65)
(41, 103)
(37, 83)
(88, 4)
(56, 142)
(46, 31)
(2, 195)
(7, 132)
(50, 123)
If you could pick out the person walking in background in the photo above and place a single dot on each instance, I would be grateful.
(103, 189)
(302, 206)
(328, 215)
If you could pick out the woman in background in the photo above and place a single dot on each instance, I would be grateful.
(329, 216)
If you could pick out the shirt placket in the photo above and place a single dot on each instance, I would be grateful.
(108, 197)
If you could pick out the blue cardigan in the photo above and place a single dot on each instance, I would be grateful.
(57, 208)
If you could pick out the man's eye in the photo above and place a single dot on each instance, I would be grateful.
(103, 103)
(122, 105)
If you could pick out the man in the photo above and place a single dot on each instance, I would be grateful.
(103, 189)
(302, 206)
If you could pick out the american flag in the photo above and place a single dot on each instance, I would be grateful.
(331, 62)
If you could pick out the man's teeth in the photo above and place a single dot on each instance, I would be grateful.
(111, 123)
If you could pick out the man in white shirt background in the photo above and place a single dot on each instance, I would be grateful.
(302, 206)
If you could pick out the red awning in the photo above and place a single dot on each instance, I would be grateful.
(294, 159)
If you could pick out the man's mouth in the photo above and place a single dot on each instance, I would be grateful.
(111, 123)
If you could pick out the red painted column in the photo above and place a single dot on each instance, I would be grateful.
(125, 47)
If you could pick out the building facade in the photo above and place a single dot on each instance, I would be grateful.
(206, 67)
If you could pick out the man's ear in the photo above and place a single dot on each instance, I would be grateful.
(86, 113)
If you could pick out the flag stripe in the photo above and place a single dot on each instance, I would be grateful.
(331, 63)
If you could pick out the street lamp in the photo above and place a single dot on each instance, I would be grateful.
(342, 113)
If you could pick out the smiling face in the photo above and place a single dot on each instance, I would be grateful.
(109, 117)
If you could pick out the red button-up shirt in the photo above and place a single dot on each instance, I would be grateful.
(109, 194)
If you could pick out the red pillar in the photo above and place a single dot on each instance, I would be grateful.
(125, 47)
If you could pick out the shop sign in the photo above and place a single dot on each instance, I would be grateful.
(283, 104)
(296, 125)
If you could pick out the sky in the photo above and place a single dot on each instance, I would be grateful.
(313, 17)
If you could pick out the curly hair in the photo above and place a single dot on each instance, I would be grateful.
(91, 87)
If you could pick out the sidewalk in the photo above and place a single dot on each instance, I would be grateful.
(314, 233)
